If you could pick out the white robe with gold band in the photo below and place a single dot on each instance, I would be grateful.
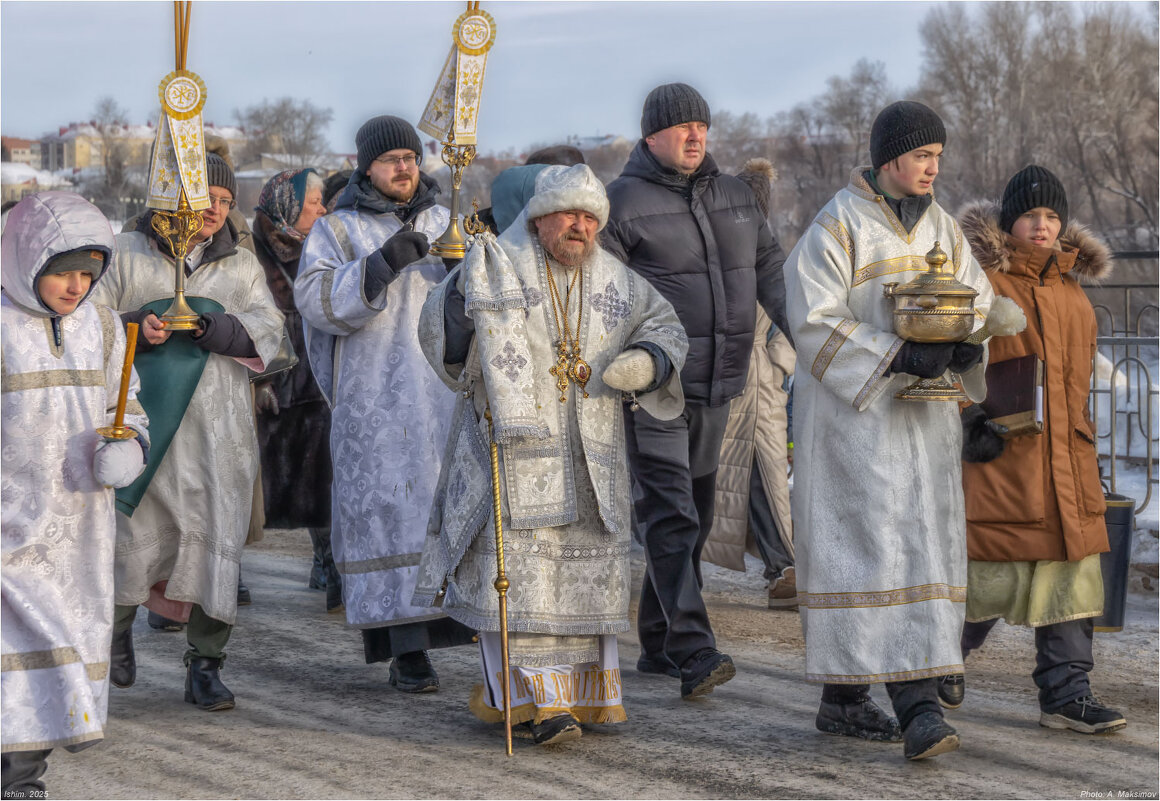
(59, 529)
(191, 523)
(877, 498)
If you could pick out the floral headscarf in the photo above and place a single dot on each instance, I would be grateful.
(282, 198)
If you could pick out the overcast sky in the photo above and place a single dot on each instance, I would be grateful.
(557, 68)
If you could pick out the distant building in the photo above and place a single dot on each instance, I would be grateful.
(587, 143)
(80, 145)
(18, 180)
(20, 151)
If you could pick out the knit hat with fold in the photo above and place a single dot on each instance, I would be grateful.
(671, 104)
(380, 134)
(574, 188)
(218, 173)
(900, 128)
(1031, 188)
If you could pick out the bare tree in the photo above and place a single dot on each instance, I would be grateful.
(817, 144)
(1075, 91)
(110, 119)
(118, 191)
(291, 128)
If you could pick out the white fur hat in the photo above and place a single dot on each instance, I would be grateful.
(566, 189)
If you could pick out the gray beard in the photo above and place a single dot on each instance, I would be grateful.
(568, 264)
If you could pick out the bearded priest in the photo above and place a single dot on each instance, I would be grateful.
(550, 334)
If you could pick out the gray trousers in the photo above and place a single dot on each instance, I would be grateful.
(207, 636)
(764, 527)
(1063, 658)
(674, 473)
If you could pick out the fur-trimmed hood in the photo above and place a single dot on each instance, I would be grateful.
(992, 246)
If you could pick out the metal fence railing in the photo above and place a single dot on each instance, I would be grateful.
(1124, 397)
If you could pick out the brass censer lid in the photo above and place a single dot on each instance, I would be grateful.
(937, 280)
(932, 307)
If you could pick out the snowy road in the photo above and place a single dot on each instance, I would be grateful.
(314, 721)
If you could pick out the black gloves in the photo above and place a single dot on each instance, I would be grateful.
(966, 356)
(223, 333)
(385, 264)
(923, 359)
(981, 440)
(404, 248)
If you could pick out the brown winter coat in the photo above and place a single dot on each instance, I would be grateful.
(756, 429)
(1042, 498)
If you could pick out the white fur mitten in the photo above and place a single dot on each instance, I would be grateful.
(631, 371)
(117, 463)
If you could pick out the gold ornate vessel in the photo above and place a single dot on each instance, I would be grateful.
(934, 306)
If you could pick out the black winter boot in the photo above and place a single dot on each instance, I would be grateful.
(928, 735)
(162, 623)
(319, 541)
(413, 673)
(244, 597)
(203, 685)
(122, 660)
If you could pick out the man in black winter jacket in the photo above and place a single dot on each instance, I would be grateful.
(700, 238)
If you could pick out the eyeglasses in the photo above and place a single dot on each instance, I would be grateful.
(224, 202)
(408, 161)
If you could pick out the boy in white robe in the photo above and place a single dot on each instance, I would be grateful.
(62, 359)
(877, 502)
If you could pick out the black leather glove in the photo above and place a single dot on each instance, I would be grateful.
(966, 356)
(981, 437)
(404, 248)
(923, 359)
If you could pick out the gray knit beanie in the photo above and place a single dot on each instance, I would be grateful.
(85, 260)
(218, 173)
(671, 104)
(900, 128)
(1032, 187)
(380, 134)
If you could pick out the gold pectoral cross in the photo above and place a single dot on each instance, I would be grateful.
(561, 370)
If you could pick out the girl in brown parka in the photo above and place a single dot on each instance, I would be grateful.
(1034, 505)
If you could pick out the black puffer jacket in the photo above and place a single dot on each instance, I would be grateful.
(702, 241)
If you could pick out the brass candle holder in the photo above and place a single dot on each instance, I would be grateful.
(452, 243)
(934, 306)
(177, 228)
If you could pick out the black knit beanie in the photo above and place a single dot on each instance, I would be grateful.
(671, 104)
(218, 173)
(1030, 188)
(900, 128)
(380, 134)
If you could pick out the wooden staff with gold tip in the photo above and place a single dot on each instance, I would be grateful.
(501, 586)
(118, 430)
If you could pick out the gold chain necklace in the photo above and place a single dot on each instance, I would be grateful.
(569, 363)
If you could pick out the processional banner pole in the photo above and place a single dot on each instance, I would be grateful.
(452, 112)
(178, 188)
(452, 115)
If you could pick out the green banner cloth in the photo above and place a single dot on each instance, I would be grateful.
(169, 374)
